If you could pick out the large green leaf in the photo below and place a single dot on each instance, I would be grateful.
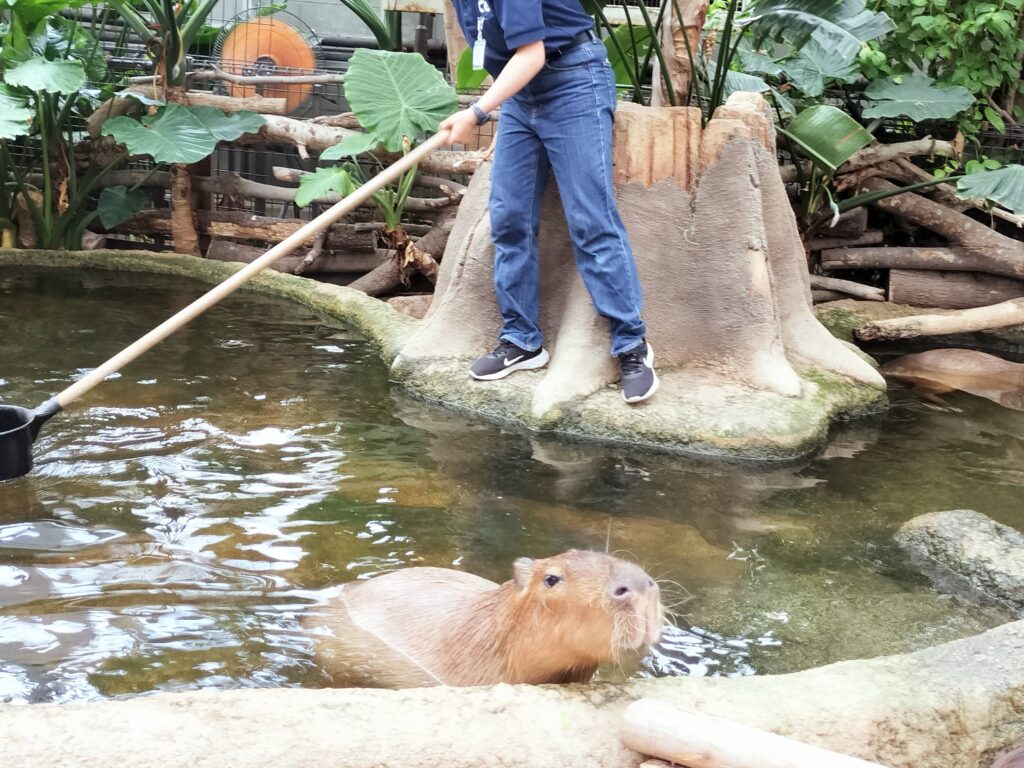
(634, 44)
(179, 134)
(40, 74)
(841, 25)
(397, 95)
(467, 78)
(816, 64)
(1004, 186)
(31, 11)
(321, 183)
(118, 204)
(15, 115)
(917, 97)
(827, 135)
(350, 146)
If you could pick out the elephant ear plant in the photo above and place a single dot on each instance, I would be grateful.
(45, 62)
(397, 98)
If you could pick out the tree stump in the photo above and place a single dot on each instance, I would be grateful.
(746, 368)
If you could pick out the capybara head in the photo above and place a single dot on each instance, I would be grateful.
(592, 605)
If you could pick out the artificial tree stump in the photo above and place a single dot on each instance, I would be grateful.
(746, 368)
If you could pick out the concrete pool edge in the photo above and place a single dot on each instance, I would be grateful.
(749, 426)
(955, 705)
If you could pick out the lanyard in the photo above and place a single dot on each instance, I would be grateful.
(480, 45)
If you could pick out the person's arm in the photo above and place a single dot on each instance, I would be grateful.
(525, 63)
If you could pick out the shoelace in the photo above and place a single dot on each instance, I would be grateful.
(505, 349)
(632, 362)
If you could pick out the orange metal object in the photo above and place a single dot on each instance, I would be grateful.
(268, 42)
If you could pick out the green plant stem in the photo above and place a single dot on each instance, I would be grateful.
(603, 20)
(722, 65)
(134, 20)
(656, 46)
(639, 76)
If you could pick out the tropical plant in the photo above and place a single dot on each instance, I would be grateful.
(387, 31)
(45, 63)
(975, 44)
(397, 98)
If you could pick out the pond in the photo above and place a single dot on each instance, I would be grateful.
(184, 515)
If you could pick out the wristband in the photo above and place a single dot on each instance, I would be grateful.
(481, 116)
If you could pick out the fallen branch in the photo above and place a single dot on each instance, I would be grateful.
(1000, 315)
(952, 258)
(1001, 255)
(123, 104)
(702, 741)
(867, 292)
(343, 262)
(451, 189)
(313, 255)
(229, 77)
(871, 237)
(880, 153)
(950, 290)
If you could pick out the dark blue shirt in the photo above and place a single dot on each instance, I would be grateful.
(511, 24)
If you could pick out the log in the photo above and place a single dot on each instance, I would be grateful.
(696, 740)
(820, 296)
(871, 237)
(851, 225)
(239, 225)
(879, 153)
(866, 292)
(1000, 315)
(999, 254)
(451, 189)
(900, 258)
(950, 290)
(343, 263)
(228, 77)
(262, 104)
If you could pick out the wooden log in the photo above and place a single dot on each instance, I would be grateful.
(866, 292)
(950, 290)
(950, 258)
(238, 225)
(262, 104)
(1000, 315)
(819, 296)
(870, 237)
(228, 77)
(879, 153)
(851, 224)
(1000, 255)
(326, 263)
(695, 740)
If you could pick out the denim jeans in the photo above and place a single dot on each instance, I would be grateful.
(562, 120)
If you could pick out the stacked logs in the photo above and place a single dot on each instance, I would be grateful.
(973, 267)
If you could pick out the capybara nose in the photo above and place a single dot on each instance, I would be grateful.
(634, 584)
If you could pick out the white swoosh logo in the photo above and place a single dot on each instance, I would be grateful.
(506, 362)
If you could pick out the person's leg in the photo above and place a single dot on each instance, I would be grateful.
(575, 123)
(517, 183)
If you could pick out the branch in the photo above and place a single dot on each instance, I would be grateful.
(219, 74)
(960, 321)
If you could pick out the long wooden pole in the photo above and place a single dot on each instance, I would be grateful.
(286, 246)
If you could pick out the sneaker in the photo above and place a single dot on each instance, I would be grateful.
(505, 359)
(639, 381)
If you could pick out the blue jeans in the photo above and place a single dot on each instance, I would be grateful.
(562, 120)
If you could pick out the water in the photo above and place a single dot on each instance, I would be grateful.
(184, 515)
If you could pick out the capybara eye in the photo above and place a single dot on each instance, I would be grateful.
(550, 580)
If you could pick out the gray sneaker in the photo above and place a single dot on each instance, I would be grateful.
(639, 381)
(506, 359)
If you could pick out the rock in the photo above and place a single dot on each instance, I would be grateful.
(967, 553)
(956, 705)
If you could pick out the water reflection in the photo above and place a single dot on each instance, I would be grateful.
(186, 513)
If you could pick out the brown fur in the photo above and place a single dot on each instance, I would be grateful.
(434, 626)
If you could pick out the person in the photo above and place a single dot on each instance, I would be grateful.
(552, 76)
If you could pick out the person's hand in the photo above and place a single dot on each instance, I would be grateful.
(461, 126)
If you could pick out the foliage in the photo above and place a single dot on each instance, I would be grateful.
(467, 78)
(180, 134)
(827, 135)
(44, 64)
(917, 97)
(1004, 186)
(387, 37)
(974, 44)
(397, 96)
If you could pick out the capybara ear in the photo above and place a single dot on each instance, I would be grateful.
(522, 570)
